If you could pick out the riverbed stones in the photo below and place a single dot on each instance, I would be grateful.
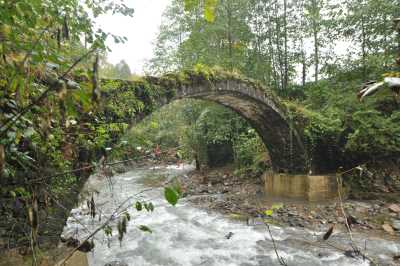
(241, 199)
(396, 224)
(394, 208)
(388, 228)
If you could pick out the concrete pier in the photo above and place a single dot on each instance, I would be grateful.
(308, 187)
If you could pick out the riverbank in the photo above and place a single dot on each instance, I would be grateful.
(49, 257)
(244, 198)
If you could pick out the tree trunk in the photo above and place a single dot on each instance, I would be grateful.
(304, 65)
(315, 34)
(286, 67)
(278, 45)
(363, 49)
(230, 38)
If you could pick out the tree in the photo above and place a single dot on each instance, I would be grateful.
(270, 40)
(42, 35)
(123, 70)
(222, 42)
(368, 25)
(313, 8)
(41, 53)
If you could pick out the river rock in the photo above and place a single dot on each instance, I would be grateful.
(116, 263)
(229, 235)
(323, 254)
(396, 224)
(86, 246)
(388, 228)
(394, 208)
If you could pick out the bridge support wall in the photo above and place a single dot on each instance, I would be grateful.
(304, 187)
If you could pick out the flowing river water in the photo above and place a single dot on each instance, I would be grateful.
(186, 235)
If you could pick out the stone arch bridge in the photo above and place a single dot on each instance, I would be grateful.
(255, 103)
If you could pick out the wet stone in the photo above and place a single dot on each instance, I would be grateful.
(394, 208)
(323, 254)
(116, 263)
(396, 225)
(388, 228)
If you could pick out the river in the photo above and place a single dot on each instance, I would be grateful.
(186, 235)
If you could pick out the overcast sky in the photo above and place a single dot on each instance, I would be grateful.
(141, 30)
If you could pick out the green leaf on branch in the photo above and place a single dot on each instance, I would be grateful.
(269, 212)
(171, 195)
(145, 229)
(277, 206)
(108, 230)
(209, 10)
(138, 206)
(190, 4)
(149, 207)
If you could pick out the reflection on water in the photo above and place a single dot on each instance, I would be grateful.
(185, 235)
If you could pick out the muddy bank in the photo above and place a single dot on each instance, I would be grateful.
(379, 180)
(244, 198)
(51, 257)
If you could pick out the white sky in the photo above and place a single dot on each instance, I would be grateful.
(141, 30)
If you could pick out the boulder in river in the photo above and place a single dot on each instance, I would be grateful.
(394, 208)
(388, 228)
(396, 224)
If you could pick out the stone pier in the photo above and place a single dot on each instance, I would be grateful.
(308, 187)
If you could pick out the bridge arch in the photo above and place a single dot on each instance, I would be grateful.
(255, 103)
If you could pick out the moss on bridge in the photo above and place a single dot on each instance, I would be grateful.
(167, 84)
(321, 136)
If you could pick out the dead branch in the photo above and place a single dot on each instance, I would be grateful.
(280, 259)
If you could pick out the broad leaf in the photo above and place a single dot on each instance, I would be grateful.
(171, 195)
(138, 206)
(145, 229)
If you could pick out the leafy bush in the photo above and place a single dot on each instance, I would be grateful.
(374, 134)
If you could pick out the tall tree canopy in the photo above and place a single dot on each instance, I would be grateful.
(282, 43)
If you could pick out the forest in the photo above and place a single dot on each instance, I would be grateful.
(329, 69)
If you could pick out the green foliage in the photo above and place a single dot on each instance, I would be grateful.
(209, 7)
(279, 42)
(250, 153)
(42, 110)
(274, 207)
(138, 206)
(108, 230)
(50, 114)
(171, 195)
(193, 126)
(145, 228)
(149, 207)
(118, 71)
(375, 134)
(314, 124)
(337, 127)
(222, 43)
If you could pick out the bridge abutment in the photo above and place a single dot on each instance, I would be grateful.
(303, 187)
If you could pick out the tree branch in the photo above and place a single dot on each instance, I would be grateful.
(8, 124)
